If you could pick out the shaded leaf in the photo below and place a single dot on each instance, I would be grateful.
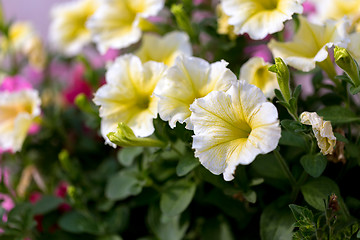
(127, 155)
(76, 222)
(314, 165)
(176, 198)
(125, 183)
(47, 204)
(186, 164)
(338, 115)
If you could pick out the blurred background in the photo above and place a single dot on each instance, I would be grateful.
(35, 11)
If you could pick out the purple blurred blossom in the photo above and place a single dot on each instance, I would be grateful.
(260, 50)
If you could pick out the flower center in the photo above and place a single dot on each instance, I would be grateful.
(143, 102)
(260, 77)
(268, 4)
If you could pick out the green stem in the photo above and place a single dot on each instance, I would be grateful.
(285, 168)
(328, 66)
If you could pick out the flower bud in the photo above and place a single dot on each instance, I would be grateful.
(347, 63)
(125, 137)
(182, 19)
(283, 77)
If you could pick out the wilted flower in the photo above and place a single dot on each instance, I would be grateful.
(116, 24)
(17, 112)
(68, 31)
(322, 130)
(164, 49)
(128, 97)
(310, 43)
(233, 127)
(260, 18)
(255, 71)
(188, 79)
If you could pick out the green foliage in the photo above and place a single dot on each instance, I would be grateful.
(126, 183)
(314, 165)
(338, 115)
(176, 197)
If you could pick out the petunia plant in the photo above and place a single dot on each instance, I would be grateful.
(170, 120)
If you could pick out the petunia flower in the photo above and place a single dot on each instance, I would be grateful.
(255, 71)
(233, 127)
(22, 38)
(17, 112)
(164, 49)
(336, 9)
(224, 27)
(68, 31)
(127, 96)
(116, 24)
(310, 43)
(188, 79)
(258, 18)
(322, 131)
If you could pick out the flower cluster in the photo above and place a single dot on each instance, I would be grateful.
(209, 118)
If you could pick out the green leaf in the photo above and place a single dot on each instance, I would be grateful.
(216, 229)
(301, 213)
(276, 222)
(316, 191)
(292, 125)
(112, 237)
(338, 115)
(279, 95)
(297, 91)
(117, 219)
(76, 222)
(289, 138)
(314, 165)
(47, 204)
(125, 183)
(176, 197)
(304, 221)
(354, 90)
(250, 196)
(172, 229)
(127, 155)
(186, 164)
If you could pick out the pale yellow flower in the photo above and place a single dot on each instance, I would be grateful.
(116, 23)
(68, 31)
(354, 46)
(322, 131)
(255, 71)
(127, 96)
(223, 23)
(310, 43)
(17, 113)
(336, 9)
(164, 49)
(188, 79)
(259, 18)
(23, 39)
(233, 127)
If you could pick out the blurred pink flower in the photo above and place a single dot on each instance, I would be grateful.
(309, 8)
(77, 85)
(14, 83)
(35, 197)
(259, 51)
(6, 203)
(33, 75)
(61, 191)
(34, 129)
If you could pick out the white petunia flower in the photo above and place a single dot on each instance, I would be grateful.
(164, 49)
(188, 79)
(322, 131)
(128, 97)
(354, 46)
(255, 71)
(336, 9)
(17, 113)
(310, 43)
(258, 18)
(116, 23)
(68, 31)
(233, 127)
